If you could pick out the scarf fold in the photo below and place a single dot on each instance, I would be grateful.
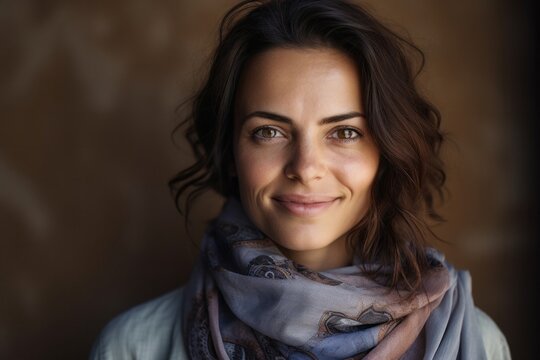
(246, 300)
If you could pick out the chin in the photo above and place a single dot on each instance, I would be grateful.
(301, 241)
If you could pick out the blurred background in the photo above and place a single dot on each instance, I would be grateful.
(88, 97)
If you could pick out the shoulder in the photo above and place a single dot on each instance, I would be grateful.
(151, 330)
(494, 340)
(479, 323)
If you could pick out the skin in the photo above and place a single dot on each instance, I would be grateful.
(304, 157)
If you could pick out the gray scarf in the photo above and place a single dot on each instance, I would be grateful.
(246, 300)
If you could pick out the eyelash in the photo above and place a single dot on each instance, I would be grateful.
(356, 137)
(258, 137)
(264, 138)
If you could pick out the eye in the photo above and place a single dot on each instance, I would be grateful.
(266, 133)
(346, 134)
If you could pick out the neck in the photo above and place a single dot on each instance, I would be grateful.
(335, 255)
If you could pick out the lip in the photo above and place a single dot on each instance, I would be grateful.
(305, 205)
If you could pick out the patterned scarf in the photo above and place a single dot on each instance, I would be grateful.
(246, 300)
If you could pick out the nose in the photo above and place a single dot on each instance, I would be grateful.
(306, 162)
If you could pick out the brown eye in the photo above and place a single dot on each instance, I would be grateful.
(267, 133)
(346, 134)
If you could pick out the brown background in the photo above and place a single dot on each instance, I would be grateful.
(88, 93)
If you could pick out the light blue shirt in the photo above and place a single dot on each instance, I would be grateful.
(153, 331)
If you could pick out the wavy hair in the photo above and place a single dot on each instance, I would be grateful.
(405, 126)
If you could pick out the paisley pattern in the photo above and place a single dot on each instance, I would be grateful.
(246, 300)
(335, 322)
(270, 268)
(200, 339)
(265, 266)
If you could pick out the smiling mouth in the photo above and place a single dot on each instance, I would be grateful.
(305, 206)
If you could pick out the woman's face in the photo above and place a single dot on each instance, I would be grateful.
(304, 157)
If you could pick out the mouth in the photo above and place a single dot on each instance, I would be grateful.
(305, 206)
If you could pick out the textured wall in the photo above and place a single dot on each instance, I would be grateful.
(88, 96)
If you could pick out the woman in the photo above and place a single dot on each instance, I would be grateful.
(310, 124)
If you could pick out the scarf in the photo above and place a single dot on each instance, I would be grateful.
(246, 300)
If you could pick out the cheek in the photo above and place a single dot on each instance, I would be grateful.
(356, 171)
(256, 168)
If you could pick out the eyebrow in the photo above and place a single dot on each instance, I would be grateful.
(287, 120)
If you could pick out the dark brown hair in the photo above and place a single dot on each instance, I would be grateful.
(404, 125)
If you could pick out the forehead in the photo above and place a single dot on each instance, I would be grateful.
(312, 82)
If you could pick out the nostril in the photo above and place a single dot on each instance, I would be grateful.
(305, 167)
